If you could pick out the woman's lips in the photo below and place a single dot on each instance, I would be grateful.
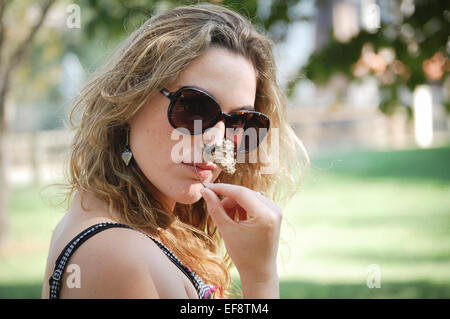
(202, 168)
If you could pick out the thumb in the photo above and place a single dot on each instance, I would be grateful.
(215, 209)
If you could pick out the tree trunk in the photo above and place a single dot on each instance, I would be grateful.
(4, 189)
(324, 24)
(8, 67)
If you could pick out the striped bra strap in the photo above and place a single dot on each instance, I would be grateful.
(203, 290)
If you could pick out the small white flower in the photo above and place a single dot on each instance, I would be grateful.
(222, 154)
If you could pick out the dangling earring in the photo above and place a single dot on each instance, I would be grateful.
(127, 155)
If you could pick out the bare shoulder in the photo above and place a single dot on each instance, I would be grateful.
(121, 263)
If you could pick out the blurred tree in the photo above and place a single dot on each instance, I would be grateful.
(110, 18)
(12, 55)
(410, 48)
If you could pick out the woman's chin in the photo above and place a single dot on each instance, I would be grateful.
(190, 200)
(192, 196)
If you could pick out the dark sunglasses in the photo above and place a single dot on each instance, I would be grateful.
(188, 104)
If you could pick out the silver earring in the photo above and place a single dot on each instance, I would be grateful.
(127, 155)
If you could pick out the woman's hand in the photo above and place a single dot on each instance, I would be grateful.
(252, 241)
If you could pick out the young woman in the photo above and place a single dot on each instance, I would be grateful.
(141, 224)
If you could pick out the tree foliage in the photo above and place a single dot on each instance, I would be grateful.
(417, 41)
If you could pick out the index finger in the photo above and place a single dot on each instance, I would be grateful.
(245, 197)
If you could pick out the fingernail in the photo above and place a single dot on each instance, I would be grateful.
(209, 184)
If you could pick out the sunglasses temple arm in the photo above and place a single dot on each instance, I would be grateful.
(166, 93)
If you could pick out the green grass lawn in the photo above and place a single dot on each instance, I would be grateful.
(356, 209)
(391, 209)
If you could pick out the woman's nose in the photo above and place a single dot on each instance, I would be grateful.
(215, 134)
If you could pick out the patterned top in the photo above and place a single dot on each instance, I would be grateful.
(204, 291)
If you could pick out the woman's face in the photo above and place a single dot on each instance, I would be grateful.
(231, 80)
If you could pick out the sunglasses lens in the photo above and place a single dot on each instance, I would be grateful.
(194, 105)
(249, 129)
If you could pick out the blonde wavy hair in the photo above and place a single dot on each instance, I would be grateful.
(148, 60)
